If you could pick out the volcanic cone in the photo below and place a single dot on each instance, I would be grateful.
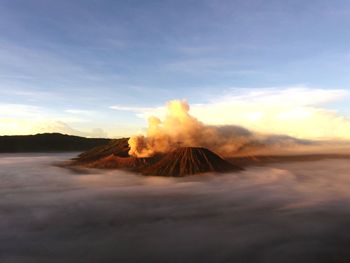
(189, 160)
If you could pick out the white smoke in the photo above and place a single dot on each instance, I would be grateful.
(179, 128)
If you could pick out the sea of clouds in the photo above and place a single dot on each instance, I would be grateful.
(284, 212)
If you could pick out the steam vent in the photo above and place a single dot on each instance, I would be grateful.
(180, 162)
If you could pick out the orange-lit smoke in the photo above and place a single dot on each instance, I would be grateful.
(179, 128)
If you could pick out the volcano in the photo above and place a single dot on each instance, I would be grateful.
(187, 161)
(117, 162)
(116, 147)
(180, 162)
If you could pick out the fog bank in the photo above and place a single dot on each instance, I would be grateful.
(285, 212)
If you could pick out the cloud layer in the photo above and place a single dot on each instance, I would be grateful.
(288, 212)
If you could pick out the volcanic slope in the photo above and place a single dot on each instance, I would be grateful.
(187, 161)
(116, 147)
(116, 162)
(113, 155)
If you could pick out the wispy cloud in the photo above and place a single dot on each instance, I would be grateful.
(80, 112)
(130, 108)
(64, 128)
(197, 50)
(299, 95)
(22, 62)
(141, 112)
(10, 90)
(211, 65)
(191, 65)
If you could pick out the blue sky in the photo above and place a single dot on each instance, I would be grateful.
(71, 64)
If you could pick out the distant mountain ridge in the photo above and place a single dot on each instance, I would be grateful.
(48, 142)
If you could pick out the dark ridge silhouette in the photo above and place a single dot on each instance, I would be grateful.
(116, 147)
(187, 161)
(47, 142)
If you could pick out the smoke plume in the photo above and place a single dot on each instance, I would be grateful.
(179, 128)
